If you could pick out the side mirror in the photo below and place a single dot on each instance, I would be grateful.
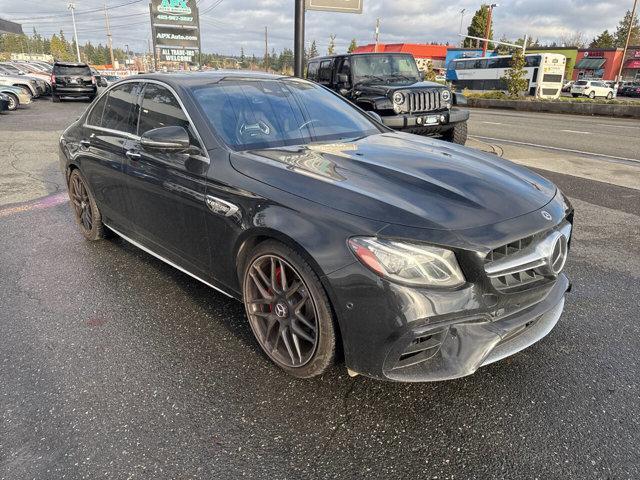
(375, 116)
(171, 139)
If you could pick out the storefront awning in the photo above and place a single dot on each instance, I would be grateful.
(590, 64)
(632, 63)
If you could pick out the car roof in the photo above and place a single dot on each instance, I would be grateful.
(70, 64)
(179, 80)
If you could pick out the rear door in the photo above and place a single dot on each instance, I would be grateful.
(167, 189)
(109, 126)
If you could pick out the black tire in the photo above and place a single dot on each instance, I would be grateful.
(85, 209)
(458, 134)
(263, 315)
(609, 95)
(14, 102)
(575, 95)
(55, 98)
(592, 95)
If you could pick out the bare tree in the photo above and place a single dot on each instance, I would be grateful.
(573, 39)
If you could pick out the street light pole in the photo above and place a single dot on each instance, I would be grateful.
(487, 31)
(461, 21)
(298, 42)
(72, 7)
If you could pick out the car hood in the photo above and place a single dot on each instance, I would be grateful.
(402, 179)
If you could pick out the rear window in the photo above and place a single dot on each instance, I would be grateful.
(70, 70)
(581, 82)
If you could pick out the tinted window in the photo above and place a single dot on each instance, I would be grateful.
(582, 82)
(312, 71)
(261, 114)
(120, 107)
(345, 68)
(324, 74)
(160, 109)
(70, 70)
(532, 60)
(368, 67)
(95, 117)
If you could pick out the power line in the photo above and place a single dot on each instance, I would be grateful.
(83, 12)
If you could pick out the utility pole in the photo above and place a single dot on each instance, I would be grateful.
(626, 43)
(109, 40)
(298, 42)
(266, 49)
(461, 21)
(72, 7)
(487, 31)
(377, 35)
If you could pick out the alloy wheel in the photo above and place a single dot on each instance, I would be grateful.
(282, 313)
(12, 103)
(80, 201)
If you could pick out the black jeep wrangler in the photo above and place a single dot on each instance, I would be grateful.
(390, 85)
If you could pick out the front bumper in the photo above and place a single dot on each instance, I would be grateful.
(445, 120)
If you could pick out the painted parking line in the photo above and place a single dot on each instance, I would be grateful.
(41, 203)
(559, 149)
(576, 131)
(493, 123)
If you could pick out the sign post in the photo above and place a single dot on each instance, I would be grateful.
(343, 6)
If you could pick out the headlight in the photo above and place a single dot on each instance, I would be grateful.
(398, 98)
(446, 95)
(408, 263)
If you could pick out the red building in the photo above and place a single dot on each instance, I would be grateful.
(631, 69)
(601, 63)
(423, 53)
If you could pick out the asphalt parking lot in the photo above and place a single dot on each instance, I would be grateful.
(114, 365)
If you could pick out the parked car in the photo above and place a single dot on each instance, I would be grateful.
(628, 89)
(4, 102)
(42, 78)
(72, 80)
(632, 91)
(100, 80)
(28, 84)
(111, 79)
(17, 96)
(425, 260)
(390, 85)
(592, 89)
(567, 86)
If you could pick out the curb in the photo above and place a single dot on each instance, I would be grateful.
(581, 108)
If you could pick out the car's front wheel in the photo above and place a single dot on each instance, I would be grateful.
(592, 95)
(609, 95)
(288, 310)
(85, 209)
(457, 134)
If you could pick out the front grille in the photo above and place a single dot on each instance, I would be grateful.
(521, 264)
(421, 349)
(423, 101)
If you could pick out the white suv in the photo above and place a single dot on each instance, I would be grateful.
(592, 89)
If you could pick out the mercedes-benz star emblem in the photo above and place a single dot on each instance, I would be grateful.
(281, 310)
(547, 215)
(556, 256)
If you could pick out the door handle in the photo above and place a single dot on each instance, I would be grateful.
(133, 155)
(85, 143)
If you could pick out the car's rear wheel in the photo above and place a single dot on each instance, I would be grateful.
(14, 102)
(288, 310)
(84, 206)
(457, 134)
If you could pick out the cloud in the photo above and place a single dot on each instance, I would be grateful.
(240, 23)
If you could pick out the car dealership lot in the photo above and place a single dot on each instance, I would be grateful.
(116, 365)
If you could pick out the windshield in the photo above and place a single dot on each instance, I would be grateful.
(385, 67)
(252, 114)
(72, 70)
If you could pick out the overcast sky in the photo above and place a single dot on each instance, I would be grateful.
(235, 23)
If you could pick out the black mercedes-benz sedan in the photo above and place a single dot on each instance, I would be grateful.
(405, 257)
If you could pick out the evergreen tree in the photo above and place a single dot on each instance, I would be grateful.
(515, 77)
(604, 40)
(352, 46)
(332, 44)
(313, 50)
(623, 30)
(243, 58)
(478, 27)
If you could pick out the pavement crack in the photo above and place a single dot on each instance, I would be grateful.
(12, 164)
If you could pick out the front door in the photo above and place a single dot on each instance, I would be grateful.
(167, 189)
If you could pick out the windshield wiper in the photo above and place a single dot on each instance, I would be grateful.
(371, 77)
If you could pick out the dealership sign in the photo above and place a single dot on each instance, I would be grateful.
(345, 6)
(176, 32)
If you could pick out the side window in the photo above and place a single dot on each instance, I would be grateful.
(312, 71)
(345, 68)
(324, 74)
(161, 109)
(95, 117)
(120, 107)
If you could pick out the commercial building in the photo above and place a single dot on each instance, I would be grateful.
(10, 27)
(423, 53)
(601, 63)
(570, 52)
(631, 67)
